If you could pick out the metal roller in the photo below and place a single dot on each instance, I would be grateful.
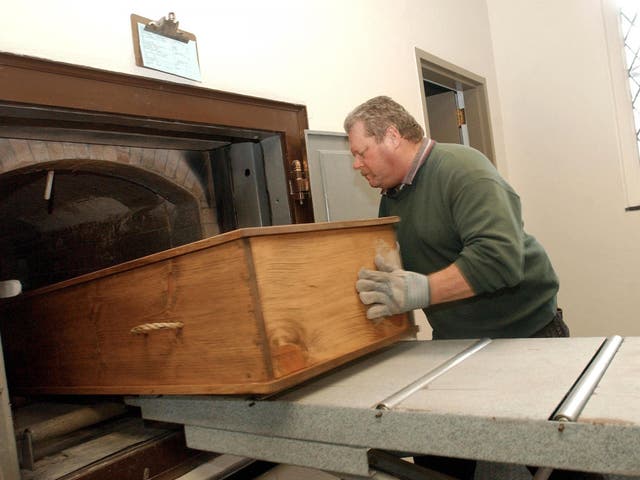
(570, 409)
(393, 400)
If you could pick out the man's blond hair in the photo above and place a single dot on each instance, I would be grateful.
(378, 114)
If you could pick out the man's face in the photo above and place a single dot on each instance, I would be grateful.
(372, 159)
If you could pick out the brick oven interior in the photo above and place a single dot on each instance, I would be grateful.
(79, 198)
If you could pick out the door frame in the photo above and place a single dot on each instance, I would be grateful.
(43, 92)
(442, 72)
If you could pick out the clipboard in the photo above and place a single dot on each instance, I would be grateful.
(160, 45)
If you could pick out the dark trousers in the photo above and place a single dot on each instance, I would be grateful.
(464, 469)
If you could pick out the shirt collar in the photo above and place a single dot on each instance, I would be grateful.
(421, 155)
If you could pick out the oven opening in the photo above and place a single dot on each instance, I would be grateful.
(84, 191)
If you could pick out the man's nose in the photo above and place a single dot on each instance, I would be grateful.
(356, 163)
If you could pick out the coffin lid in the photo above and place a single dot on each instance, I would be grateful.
(207, 243)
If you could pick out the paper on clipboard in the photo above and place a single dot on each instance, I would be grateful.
(161, 46)
(168, 55)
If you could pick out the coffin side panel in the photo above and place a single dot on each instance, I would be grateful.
(78, 339)
(311, 309)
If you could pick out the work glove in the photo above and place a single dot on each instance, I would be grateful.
(390, 289)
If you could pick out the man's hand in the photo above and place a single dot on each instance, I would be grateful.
(390, 289)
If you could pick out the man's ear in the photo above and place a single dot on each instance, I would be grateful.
(392, 136)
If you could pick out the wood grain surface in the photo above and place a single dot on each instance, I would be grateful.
(306, 284)
(259, 309)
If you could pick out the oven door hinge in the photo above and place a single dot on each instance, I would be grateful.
(461, 117)
(299, 181)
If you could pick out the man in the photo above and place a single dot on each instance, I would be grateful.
(468, 263)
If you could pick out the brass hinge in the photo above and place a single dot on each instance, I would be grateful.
(461, 117)
(299, 181)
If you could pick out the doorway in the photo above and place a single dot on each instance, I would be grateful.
(455, 104)
(445, 110)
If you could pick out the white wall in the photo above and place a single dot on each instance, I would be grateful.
(554, 123)
(561, 137)
(327, 54)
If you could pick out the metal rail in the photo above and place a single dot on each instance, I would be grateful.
(571, 407)
(402, 394)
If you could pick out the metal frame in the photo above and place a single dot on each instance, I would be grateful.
(324, 425)
(8, 452)
(472, 86)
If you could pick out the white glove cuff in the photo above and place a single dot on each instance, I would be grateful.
(417, 293)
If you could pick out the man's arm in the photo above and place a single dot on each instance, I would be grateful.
(448, 284)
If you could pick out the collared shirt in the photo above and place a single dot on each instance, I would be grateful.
(419, 159)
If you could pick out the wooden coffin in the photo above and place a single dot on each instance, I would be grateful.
(255, 310)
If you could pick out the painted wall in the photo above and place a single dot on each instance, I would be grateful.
(553, 122)
(562, 141)
(327, 54)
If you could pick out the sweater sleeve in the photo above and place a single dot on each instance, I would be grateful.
(488, 219)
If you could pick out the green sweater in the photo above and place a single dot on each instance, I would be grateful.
(460, 210)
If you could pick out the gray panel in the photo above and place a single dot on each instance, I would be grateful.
(249, 185)
(511, 378)
(339, 192)
(443, 119)
(604, 447)
(617, 396)
(276, 180)
(338, 458)
(367, 381)
(493, 407)
(458, 415)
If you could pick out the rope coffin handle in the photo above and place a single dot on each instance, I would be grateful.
(146, 328)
